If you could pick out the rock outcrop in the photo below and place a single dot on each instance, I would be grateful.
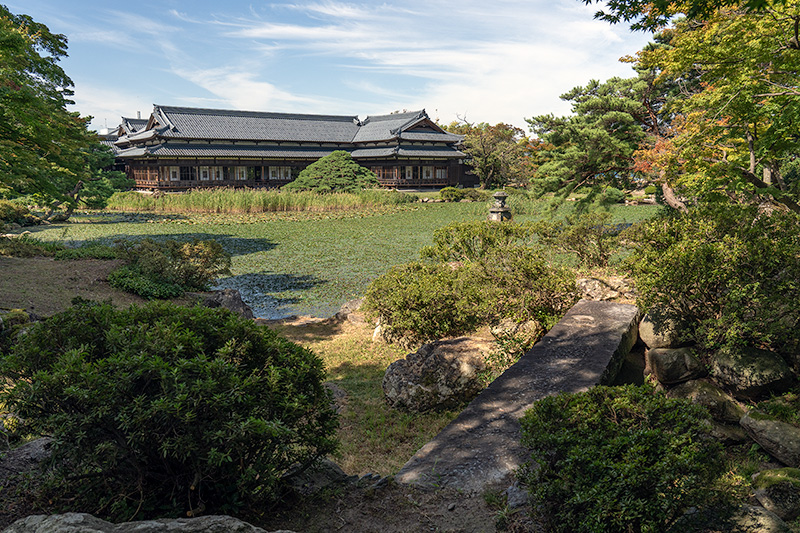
(749, 372)
(86, 523)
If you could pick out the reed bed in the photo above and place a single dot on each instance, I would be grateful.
(244, 201)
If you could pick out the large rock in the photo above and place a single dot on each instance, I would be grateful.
(229, 299)
(667, 336)
(750, 372)
(720, 404)
(674, 365)
(351, 311)
(778, 490)
(440, 374)
(779, 439)
(86, 523)
(23, 459)
(754, 519)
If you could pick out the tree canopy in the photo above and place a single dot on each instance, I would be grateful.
(44, 148)
(498, 154)
(336, 172)
(651, 15)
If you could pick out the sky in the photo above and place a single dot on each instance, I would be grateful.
(479, 60)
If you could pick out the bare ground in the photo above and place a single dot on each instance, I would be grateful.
(43, 286)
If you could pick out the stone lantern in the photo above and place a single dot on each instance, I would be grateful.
(499, 212)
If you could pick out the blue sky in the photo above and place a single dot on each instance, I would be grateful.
(488, 61)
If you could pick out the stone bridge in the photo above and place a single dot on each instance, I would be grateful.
(481, 447)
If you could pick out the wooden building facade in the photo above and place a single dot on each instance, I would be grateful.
(181, 148)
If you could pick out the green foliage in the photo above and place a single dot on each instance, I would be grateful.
(651, 189)
(490, 276)
(14, 213)
(26, 246)
(44, 148)
(420, 302)
(785, 407)
(725, 273)
(498, 154)
(158, 410)
(453, 194)
(612, 195)
(336, 172)
(471, 241)
(168, 268)
(618, 459)
(590, 236)
(88, 250)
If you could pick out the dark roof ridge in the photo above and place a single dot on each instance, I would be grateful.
(254, 114)
(411, 115)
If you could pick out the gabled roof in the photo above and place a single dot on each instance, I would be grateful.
(171, 122)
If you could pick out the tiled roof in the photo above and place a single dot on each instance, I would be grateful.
(193, 123)
(386, 127)
(430, 136)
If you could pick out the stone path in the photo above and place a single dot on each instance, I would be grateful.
(480, 448)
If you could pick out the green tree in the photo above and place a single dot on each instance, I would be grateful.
(735, 133)
(45, 150)
(651, 15)
(336, 172)
(595, 146)
(498, 154)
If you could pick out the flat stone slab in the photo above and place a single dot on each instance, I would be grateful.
(481, 448)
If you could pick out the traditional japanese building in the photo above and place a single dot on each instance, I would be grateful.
(179, 148)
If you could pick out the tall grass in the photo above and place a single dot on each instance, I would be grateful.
(243, 201)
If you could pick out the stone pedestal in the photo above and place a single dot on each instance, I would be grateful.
(499, 212)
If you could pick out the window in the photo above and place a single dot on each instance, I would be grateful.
(241, 173)
(216, 173)
(254, 173)
(409, 173)
(174, 173)
(204, 174)
(280, 173)
(427, 173)
(188, 173)
(441, 173)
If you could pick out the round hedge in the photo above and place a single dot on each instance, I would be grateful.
(163, 410)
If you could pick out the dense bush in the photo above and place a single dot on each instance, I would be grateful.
(165, 269)
(726, 273)
(590, 236)
(493, 280)
(336, 172)
(420, 302)
(160, 410)
(452, 194)
(14, 213)
(618, 459)
(26, 246)
(471, 241)
(611, 195)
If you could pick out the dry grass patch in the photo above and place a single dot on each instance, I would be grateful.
(375, 438)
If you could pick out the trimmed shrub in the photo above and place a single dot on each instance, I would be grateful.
(422, 302)
(162, 410)
(14, 213)
(611, 195)
(619, 459)
(168, 268)
(650, 189)
(725, 273)
(336, 172)
(471, 241)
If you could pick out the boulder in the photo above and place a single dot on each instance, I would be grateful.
(86, 523)
(597, 289)
(350, 311)
(720, 404)
(439, 375)
(754, 519)
(526, 333)
(779, 439)
(674, 365)
(750, 372)
(229, 299)
(322, 474)
(23, 459)
(667, 336)
(778, 490)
